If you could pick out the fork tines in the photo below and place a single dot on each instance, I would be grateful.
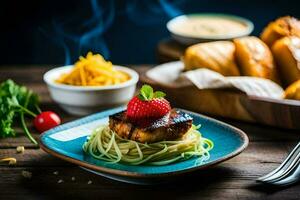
(287, 173)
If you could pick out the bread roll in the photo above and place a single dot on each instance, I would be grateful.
(283, 26)
(286, 52)
(255, 58)
(293, 91)
(217, 56)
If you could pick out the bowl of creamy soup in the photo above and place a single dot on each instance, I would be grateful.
(195, 28)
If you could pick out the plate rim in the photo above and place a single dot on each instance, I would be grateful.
(241, 134)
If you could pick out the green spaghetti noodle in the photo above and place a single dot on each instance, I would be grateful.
(105, 144)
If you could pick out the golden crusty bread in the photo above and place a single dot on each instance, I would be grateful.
(293, 91)
(286, 52)
(217, 56)
(281, 27)
(255, 58)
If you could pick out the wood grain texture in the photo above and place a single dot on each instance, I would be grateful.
(233, 179)
(234, 175)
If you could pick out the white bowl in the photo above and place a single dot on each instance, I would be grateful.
(178, 23)
(83, 100)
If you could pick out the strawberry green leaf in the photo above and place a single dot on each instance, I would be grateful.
(159, 94)
(146, 93)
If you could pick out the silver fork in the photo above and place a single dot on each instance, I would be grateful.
(287, 173)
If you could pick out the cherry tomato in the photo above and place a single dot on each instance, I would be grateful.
(46, 120)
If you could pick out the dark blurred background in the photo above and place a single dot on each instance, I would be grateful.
(126, 32)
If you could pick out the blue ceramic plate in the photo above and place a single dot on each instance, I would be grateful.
(66, 142)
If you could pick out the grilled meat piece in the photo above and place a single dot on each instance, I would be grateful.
(170, 127)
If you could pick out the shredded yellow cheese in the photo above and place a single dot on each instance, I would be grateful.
(93, 70)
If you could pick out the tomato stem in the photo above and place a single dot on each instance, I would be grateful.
(24, 109)
(38, 108)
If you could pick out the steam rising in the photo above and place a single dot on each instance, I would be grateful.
(78, 36)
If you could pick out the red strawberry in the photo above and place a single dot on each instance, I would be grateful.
(148, 104)
(159, 107)
(137, 109)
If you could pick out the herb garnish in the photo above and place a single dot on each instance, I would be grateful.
(15, 102)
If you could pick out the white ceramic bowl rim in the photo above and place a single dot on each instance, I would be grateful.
(247, 22)
(48, 78)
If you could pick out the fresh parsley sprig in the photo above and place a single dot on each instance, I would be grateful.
(15, 102)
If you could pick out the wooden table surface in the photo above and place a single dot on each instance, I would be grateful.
(233, 179)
